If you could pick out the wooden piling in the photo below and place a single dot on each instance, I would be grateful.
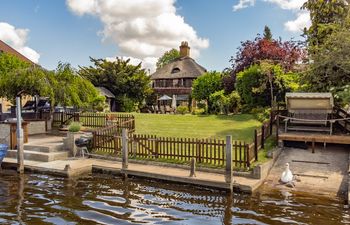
(125, 149)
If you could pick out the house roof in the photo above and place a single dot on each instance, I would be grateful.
(105, 92)
(309, 95)
(8, 49)
(184, 67)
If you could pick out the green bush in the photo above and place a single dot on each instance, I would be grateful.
(218, 102)
(182, 109)
(234, 102)
(261, 114)
(198, 111)
(127, 104)
(254, 88)
(74, 127)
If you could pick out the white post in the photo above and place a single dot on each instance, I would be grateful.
(19, 133)
(229, 166)
(124, 148)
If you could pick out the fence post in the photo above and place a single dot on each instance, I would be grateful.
(124, 148)
(256, 147)
(198, 149)
(134, 146)
(263, 136)
(272, 116)
(277, 128)
(229, 166)
(193, 167)
(247, 155)
(156, 143)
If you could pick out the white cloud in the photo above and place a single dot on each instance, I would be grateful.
(143, 29)
(17, 38)
(243, 4)
(297, 25)
(302, 17)
(287, 4)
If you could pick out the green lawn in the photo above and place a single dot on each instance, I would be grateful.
(241, 127)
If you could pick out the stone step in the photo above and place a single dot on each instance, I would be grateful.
(39, 156)
(47, 149)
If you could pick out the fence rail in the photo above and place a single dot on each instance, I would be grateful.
(95, 120)
(206, 151)
(108, 141)
(340, 113)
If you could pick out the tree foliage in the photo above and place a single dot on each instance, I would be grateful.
(326, 17)
(286, 54)
(70, 89)
(25, 81)
(331, 66)
(206, 85)
(167, 57)
(254, 87)
(9, 62)
(267, 33)
(129, 83)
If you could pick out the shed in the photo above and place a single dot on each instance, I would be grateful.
(110, 97)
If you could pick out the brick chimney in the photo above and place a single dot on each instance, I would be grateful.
(184, 49)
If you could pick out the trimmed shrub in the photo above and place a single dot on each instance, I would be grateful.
(74, 127)
(182, 109)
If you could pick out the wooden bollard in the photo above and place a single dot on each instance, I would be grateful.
(193, 167)
(229, 165)
(125, 149)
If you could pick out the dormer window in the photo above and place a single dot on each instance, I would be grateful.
(175, 70)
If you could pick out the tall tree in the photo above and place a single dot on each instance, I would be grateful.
(326, 16)
(25, 81)
(330, 69)
(206, 85)
(70, 89)
(167, 57)
(286, 54)
(129, 83)
(267, 33)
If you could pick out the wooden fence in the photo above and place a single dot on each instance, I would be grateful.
(261, 134)
(206, 151)
(340, 113)
(108, 141)
(95, 120)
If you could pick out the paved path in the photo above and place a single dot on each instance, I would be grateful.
(79, 166)
(325, 172)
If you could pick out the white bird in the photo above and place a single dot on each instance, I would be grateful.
(287, 176)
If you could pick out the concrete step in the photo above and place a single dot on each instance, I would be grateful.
(39, 156)
(47, 149)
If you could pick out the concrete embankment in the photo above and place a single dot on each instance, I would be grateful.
(76, 167)
(323, 173)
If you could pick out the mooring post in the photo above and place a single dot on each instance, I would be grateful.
(193, 167)
(125, 149)
(20, 154)
(229, 165)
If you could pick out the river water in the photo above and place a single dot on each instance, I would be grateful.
(99, 199)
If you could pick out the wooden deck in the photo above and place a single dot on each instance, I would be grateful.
(314, 138)
(318, 138)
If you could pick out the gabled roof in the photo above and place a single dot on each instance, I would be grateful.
(105, 92)
(8, 49)
(184, 67)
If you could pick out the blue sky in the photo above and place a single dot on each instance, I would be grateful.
(69, 31)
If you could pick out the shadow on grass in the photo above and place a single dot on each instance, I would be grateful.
(235, 117)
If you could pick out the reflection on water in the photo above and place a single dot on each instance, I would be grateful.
(97, 199)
